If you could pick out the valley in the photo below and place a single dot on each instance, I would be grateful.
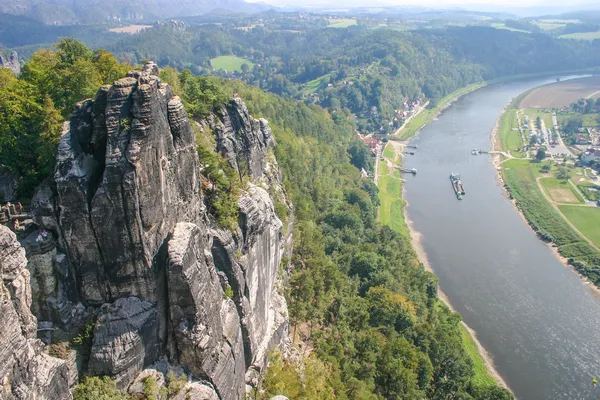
(236, 200)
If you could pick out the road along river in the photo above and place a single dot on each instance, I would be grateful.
(537, 319)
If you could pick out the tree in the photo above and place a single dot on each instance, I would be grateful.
(33, 106)
(563, 173)
(540, 155)
(545, 168)
(533, 140)
(538, 122)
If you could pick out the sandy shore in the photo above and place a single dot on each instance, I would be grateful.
(417, 245)
(497, 163)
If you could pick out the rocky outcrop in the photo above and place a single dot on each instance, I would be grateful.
(255, 273)
(118, 203)
(241, 139)
(25, 372)
(205, 323)
(8, 184)
(137, 248)
(11, 62)
(126, 339)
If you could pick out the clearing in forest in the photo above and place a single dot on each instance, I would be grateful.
(562, 94)
(341, 23)
(229, 63)
(131, 29)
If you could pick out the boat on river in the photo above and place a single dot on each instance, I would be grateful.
(459, 190)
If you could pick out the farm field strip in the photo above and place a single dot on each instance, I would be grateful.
(562, 94)
(582, 36)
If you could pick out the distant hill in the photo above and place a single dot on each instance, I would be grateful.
(64, 12)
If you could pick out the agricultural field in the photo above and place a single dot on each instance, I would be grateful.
(341, 23)
(586, 219)
(131, 29)
(560, 191)
(582, 36)
(549, 26)
(498, 25)
(562, 94)
(229, 63)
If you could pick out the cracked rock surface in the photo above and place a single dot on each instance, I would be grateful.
(137, 252)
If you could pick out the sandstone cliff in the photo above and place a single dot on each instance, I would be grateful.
(138, 254)
(27, 373)
(11, 62)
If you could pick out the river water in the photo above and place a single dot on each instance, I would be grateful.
(536, 318)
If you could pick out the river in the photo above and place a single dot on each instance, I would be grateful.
(537, 319)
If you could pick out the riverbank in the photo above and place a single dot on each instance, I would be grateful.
(428, 114)
(486, 373)
(520, 179)
(392, 212)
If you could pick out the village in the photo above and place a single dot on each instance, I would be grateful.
(377, 141)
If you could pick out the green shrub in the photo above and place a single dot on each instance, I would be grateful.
(59, 350)
(125, 124)
(281, 210)
(228, 292)
(176, 383)
(221, 196)
(98, 388)
(151, 389)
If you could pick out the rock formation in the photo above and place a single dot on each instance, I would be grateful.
(25, 371)
(137, 252)
(11, 62)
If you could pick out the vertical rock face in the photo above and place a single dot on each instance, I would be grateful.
(25, 372)
(242, 139)
(137, 249)
(11, 62)
(125, 339)
(205, 323)
(127, 173)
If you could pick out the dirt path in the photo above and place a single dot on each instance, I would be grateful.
(377, 158)
(555, 205)
(592, 95)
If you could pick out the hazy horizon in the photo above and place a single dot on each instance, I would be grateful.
(544, 6)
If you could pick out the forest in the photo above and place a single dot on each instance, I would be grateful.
(370, 72)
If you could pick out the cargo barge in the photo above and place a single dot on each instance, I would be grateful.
(457, 185)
